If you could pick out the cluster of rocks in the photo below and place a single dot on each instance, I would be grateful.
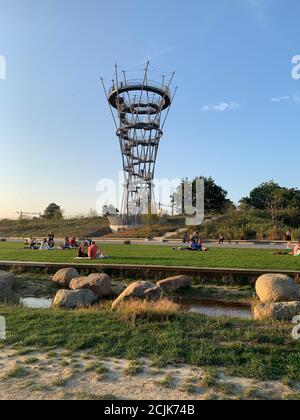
(82, 292)
(79, 291)
(279, 298)
(7, 295)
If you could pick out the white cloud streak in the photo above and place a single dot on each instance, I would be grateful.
(288, 98)
(221, 107)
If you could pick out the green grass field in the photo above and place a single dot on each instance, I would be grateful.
(159, 255)
(246, 348)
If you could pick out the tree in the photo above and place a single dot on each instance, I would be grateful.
(215, 197)
(281, 204)
(109, 210)
(260, 197)
(53, 211)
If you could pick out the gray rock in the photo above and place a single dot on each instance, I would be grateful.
(7, 278)
(8, 296)
(99, 284)
(70, 299)
(174, 283)
(272, 288)
(142, 290)
(65, 276)
(284, 311)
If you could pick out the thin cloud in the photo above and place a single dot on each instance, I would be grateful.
(288, 98)
(221, 107)
(159, 54)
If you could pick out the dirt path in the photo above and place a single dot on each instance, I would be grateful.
(61, 375)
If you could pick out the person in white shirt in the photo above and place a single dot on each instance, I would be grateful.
(45, 246)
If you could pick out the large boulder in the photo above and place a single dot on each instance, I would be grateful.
(65, 276)
(8, 296)
(142, 290)
(7, 278)
(284, 311)
(71, 299)
(272, 288)
(99, 284)
(174, 283)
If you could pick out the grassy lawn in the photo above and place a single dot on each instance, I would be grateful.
(245, 348)
(166, 256)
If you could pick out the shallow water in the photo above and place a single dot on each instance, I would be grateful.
(37, 303)
(217, 309)
(209, 308)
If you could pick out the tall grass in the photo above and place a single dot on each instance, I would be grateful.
(246, 225)
(161, 310)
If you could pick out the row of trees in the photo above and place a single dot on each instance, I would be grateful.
(280, 204)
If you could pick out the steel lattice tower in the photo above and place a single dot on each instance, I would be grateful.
(142, 107)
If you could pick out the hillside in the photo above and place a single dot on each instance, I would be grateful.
(79, 227)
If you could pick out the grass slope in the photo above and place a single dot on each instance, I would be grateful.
(96, 226)
(159, 255)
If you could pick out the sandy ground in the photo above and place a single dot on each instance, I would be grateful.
(61, 375)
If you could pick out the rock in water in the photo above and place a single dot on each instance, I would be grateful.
(7, 278)
(174, 283)
(272, 288)
(8, 296)
(70, 299)
(65, 276)
(142, 290)
(99, 284)
(284, 311)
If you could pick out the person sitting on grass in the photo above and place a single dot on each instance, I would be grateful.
(44, 245)
(195, 247)
(66, 244)
(51, 240)
(81, 252)
(73, 243)
(296, 251)
(31, 244)
(94, 253)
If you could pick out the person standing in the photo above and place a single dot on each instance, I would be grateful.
(288, 238)
(221, 239)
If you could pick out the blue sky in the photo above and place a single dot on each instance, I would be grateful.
(235, 117)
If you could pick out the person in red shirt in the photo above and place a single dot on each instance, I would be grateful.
(73, 243)
(93, 251)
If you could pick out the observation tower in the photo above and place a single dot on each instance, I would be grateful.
(140, 108)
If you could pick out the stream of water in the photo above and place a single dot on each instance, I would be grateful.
(209, 308)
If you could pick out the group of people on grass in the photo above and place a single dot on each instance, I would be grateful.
(196, 237)
(93, 252)
(195, 243)
(85, 249)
